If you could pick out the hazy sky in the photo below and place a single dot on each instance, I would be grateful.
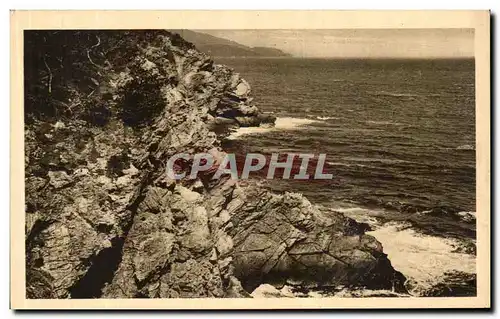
(359, 42)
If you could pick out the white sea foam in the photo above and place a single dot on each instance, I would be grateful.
(282, 123)
(423, 259)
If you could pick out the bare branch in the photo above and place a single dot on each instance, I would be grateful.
(49, 83)
(92, 47)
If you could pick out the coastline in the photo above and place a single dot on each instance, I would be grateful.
(448, 260)
(125, 230)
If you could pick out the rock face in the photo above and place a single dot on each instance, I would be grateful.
(220, 47)
(104, 111)
(285, 239)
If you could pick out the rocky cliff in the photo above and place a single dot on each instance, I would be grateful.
(104, 110)
(220, 47)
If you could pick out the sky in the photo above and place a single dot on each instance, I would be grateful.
(374, 43)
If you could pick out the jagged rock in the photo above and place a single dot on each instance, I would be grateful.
(106, 221)
(267, 291)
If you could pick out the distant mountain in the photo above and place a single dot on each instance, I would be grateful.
(219, 47)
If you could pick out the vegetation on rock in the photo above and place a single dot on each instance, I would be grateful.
(104, 110)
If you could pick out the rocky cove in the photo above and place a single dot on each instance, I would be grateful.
(104, 110)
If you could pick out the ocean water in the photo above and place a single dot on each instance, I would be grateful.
(399, 137)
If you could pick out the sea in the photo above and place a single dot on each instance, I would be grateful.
(399, 139)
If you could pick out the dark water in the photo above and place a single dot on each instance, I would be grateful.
(399, 134)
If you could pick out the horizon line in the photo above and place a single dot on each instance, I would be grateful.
(352, 57)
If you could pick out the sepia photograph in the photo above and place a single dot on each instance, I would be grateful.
(265, 164)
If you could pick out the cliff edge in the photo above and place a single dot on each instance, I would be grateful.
(104, 110)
